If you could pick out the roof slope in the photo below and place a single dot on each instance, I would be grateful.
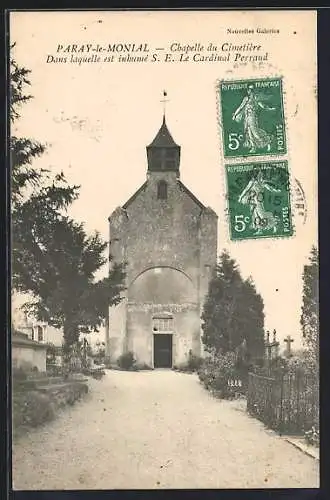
(21, 339)
(132, 198)
(191, 195)
(181, 186)
(163, 138)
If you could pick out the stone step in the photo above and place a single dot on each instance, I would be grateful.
(46, 383)
(55, 387)
(47, 380)
(34, 383)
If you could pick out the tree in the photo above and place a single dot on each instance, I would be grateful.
(233, 311)
(309, 318)
(63, 282)
(52, 256)
(37, 197)
(251, 318)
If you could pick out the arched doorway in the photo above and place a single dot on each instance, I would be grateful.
(162, 320)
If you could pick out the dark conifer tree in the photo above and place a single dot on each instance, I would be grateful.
(309, 318)
(233, 311)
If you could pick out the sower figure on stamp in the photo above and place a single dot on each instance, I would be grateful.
(254, 136)
(253, 195)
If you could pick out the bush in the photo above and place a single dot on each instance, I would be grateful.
(31, 409)
(67, 394)
(99, 356)
(142, 366)
(296, 364)
(75, 392)
(96, 373)
(50, 355)
(215, 373)
(126, 361)
(302, 364)
(54, 370)
(19, 374)
(111, 365)
(313, 436)
(99, 361)
(194, 362)
(182, 367)
(191, 365)
(23, 379)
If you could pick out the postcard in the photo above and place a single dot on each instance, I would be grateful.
(164, 249)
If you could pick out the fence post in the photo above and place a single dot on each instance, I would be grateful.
(249, 392)
(281, 398)
(298, 388)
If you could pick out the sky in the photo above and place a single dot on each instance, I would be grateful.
(97, 119)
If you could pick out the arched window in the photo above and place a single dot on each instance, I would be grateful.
(162, 190)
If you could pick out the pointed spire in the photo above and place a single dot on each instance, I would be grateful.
(163, 138)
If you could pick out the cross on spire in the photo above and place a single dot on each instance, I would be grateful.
(164, 101)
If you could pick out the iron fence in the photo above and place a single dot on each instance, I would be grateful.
(288, 403)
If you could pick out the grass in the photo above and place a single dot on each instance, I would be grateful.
(32, 407)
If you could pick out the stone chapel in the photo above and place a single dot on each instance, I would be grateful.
(168, 240)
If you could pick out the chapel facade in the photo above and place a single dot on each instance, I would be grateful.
(168, 240)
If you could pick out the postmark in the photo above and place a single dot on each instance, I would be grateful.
(299, 201)
(259, 200)
(252, 117)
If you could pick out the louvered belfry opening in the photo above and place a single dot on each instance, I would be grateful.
(163, 153)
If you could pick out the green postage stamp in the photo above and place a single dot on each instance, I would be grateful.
(259, 200)
(252, 117)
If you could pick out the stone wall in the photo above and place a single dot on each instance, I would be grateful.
(170, 249)
(116, 336)
(152, 232)
(208, 250)
(28, 355)
(185, 337)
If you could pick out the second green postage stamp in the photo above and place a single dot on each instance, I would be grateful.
(252, 116)
(259, 200)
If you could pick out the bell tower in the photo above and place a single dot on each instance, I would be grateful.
(168, 240)
(163, 153)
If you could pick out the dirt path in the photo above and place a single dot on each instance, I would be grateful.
(157, 429)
